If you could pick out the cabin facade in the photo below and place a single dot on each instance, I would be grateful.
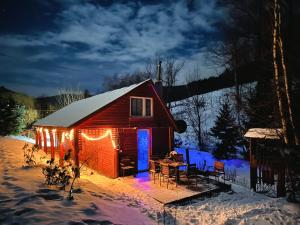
(131, 122)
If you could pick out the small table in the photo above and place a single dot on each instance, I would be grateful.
(174, 165)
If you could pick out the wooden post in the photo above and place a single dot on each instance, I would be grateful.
(116, 162)
(76, 151)
(253, 168)
(171, 139)
(51, 133)
(59, 147)
(40, 139)
(45, 141)
(281, 182)
(187, 154)
(36, 136)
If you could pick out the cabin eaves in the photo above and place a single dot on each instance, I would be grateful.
(79, 110)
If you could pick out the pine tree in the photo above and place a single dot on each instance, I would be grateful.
(11, 117)
(226, 132)
(261, 106)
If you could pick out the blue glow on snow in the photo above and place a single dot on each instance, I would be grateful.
(143, 149)
(198, 157)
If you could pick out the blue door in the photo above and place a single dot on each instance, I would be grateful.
(143, 139)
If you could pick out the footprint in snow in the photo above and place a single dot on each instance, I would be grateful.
(12, 186)
(94, 206)
(22, 211)
(26, 199)
(96, 222)
(51, 197)
(9, 178)
(75, 223)
(89, 212)
(45, 190)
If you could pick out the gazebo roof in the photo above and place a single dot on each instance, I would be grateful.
(264, 133)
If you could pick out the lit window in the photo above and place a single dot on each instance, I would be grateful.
(140, 106)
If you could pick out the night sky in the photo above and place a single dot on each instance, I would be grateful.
(46, 45)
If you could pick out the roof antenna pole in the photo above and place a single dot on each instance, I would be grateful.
(159, 72)
(158, 82)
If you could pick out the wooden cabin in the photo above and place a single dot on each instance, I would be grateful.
(131, 122)
(267, 169)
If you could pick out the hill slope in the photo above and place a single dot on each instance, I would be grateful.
(246, 74)
(20, 98)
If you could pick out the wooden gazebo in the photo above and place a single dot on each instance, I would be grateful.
(267, 168)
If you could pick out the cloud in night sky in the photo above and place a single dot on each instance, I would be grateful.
(47, 45)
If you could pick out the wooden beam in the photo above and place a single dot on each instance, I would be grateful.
(187, 154)
(45, 141)
(281, 183)
(253, 167)
(76, 150)
(52, 144)
(36, 137)
(61, 149)
(40, 139)
(171, 138)
(116, 163)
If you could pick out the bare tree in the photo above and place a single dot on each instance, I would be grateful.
(122, 80)
(194, 108)
(170, 70)
(68, 95)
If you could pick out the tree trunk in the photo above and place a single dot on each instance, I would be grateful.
(286, 83)
(276, 75)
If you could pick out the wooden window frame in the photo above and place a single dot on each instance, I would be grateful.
(143, 107)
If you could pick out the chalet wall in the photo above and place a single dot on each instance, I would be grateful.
(99, 155)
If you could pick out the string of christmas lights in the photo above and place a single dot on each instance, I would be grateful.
(107, 133)
(70, 135)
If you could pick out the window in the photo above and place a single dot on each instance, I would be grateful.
(140, 106)
(148, 107)
(136, 107)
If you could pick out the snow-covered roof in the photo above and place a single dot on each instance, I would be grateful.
(78, 110)
(264, 133)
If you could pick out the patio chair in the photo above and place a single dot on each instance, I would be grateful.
(191, 174)
(126, 166)
(166, 172)
(154, 169)
(218, 170)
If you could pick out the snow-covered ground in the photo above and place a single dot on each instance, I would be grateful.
(25, 199)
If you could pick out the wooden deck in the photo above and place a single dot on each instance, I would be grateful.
(173, 194)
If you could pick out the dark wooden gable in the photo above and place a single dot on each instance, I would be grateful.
(117, 114)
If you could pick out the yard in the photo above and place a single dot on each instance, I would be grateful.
(26, 199)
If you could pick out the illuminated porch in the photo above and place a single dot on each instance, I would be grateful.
(172, 194)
